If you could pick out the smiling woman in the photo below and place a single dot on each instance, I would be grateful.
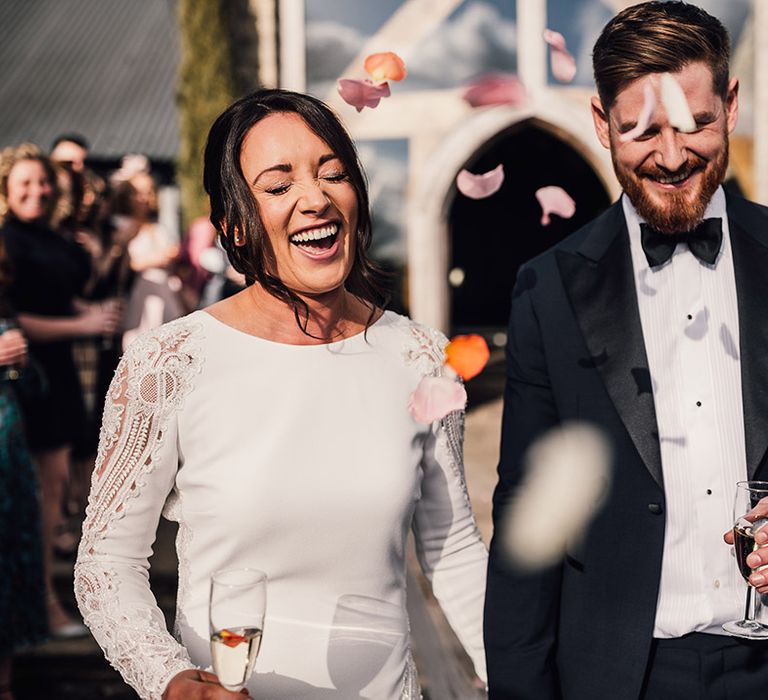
(274, 427)
(296, 177)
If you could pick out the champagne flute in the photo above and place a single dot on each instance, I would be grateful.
(746, 524)
(9, 372)
(236, 615)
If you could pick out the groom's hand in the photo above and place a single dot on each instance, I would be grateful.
(759, 558)
(199, 685)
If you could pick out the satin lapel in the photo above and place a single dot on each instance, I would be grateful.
(749, 241)
(599, 281)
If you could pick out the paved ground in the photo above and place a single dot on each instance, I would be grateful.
(76, 670)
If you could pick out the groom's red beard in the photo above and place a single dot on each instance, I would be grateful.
(680, 211)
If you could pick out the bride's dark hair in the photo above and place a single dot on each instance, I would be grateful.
(234, 208)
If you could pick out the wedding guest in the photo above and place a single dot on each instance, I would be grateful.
(154, 296)
(70, 149)
(23, 615)
(650, 322)
(47, 273)
(273, 426)
(200, 237)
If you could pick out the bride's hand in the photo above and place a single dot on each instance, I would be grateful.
(199, 685)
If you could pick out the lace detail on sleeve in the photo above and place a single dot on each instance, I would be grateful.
(111, 586)
(448, 541)
(425, 349)
(411, 687)
(452, 429)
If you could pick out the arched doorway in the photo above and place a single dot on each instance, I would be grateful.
(490, 238)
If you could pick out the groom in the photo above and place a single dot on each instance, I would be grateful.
(651, 322)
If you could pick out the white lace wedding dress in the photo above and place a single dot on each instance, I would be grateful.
(302, 461)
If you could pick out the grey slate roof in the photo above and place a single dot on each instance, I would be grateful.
(103, 68)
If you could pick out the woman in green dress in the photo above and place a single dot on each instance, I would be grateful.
(23, 615)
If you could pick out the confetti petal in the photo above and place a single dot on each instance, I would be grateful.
(385, 66)
(362, 93)
(496, 89)
(566, 480)
(645, 116)
(673, 99)
(482, 185)
(467, 355)
(435, 397)
(555, 200)
(563, 63)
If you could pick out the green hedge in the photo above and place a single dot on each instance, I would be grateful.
(206, 86)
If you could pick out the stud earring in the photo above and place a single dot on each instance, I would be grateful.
(239, 238)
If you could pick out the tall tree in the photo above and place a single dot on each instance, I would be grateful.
(206, 86)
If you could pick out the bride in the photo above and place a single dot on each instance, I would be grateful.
(273, 427)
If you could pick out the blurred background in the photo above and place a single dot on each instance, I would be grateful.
(149, 76)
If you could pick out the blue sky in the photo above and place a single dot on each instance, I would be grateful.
(479, 36)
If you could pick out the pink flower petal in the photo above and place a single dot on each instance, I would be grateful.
(435, 397)
(362, 93)
(496, 89)
(563, 63)
(480, 186)
(674, 101)
(555, 200)
(645, 116)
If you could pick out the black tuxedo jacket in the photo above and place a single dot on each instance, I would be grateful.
(583, 630)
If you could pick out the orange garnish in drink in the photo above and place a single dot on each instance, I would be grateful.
(231, 639)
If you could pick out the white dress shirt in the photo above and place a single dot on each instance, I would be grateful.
(689, 316)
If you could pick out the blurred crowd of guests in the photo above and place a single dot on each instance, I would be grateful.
(85, 266)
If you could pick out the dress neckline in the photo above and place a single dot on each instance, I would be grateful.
(380, 321)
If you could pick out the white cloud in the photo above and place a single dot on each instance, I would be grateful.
(478, 39)
(331, 46)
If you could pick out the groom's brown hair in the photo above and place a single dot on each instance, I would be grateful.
(658, 37)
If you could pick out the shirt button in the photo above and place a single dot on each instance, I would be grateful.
(717, 583)
(655, 508)
(690, 318)
(709, 492)
(698, 403)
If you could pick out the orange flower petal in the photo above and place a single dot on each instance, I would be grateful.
(467, 354)
(385, 66)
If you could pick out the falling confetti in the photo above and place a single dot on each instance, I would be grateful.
(566, 480)
(673, 99)
(362, 93)
(467, 355)
(482, 185)
(385, 66)
(554, 200)
(435, 397)
(496, 89)
(563, 63)
(645, 116)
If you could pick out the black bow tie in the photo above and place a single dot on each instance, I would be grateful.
(704, 242)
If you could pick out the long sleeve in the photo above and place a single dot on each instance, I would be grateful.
(134, 473)
(521, 608)
(448, 543)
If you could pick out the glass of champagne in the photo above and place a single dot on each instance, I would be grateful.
(236, 614)
(746, 524)
(10, 372)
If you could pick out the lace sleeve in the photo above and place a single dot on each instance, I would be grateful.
(135, 470)
(448, 543)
